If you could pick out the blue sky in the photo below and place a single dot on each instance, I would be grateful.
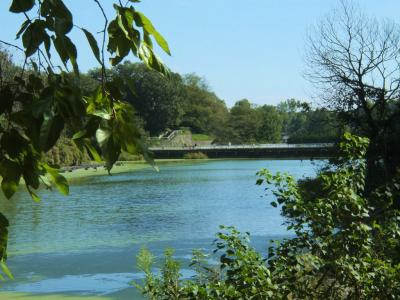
(250, 49)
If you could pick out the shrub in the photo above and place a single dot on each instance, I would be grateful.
(195, 155)
(66, 153)
(346, 245)
(124, 156)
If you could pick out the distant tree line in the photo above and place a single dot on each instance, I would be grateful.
(187, 101)
(177, 101)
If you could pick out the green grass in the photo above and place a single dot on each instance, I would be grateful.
(201, 137)
(127, 166)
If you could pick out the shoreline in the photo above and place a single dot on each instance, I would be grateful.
(131, 166)
(122, 167)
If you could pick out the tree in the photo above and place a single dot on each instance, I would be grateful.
(244, 122)
(7, 68)
(157, 99)
(291, 112)
(204, 112)
(270, 130)
(317, 126)
(37, 105)
(354, 60)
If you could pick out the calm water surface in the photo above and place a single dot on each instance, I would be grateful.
(85, 244)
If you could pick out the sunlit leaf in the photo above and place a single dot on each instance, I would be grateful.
(96, 156)
(6, 270)
(59, 180)
(143, 21)
(102, 136)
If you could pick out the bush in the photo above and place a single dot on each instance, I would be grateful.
(124, 156)
(195, 155)
(66, 153)
(347, 245)
(199, 137)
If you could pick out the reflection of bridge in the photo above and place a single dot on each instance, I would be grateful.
(325, 150)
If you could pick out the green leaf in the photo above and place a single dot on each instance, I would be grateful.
(259, 181)
(103, 113)
(102, 135)
(93, 44)
(59, 180)
(47, 45)
(79, 134)
(111, 152)
(33, 37)
(66, 50)
(93, 152)
(62, 184)
(9, 187)
(118, 43)
(18, 6)
(142, 21)
(42, 106)
(11, 173)
(6, 270)
(22, 28)
(62, 26)
(63, 22)
(149, 58)
(50, 131)
(61, 49)
(33, 195)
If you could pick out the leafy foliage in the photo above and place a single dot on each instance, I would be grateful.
(244, 121)
(303, 124)
(40, 103)
(157, 99)
(204, 112)
(346, 245)
(177, 101)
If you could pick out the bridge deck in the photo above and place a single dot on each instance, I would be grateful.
(324, 150)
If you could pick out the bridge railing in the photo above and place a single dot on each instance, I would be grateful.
(252, 146)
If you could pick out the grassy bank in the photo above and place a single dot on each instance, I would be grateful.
(126, 166)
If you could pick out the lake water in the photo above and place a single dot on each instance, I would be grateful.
(86, 243)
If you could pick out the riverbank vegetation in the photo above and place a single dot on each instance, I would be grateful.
(346, 244)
